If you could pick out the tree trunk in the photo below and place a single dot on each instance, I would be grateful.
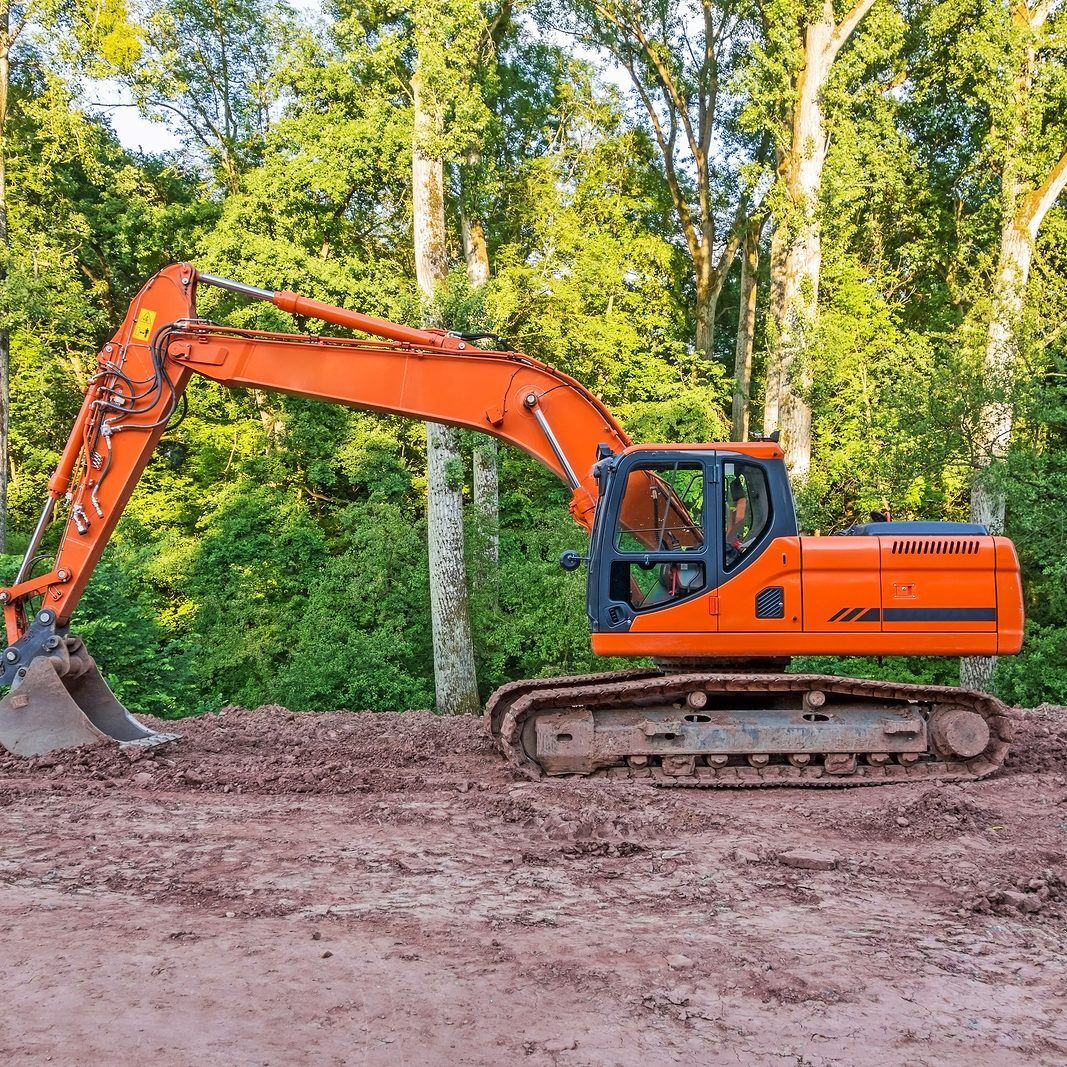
(796, 251)
(455, 679)
(486, 453)
(487, 507)
(273, 426)
(772, 392)
(707, 299)
(475, 250)
(994, 433)
(746, 328)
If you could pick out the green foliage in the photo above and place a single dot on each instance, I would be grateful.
(532, 622)
(130, 645)
(245, 582)
(920, 670)
(274, 548)
(362, 638)
(1039, 673)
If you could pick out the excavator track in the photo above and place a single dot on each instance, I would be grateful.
(722, 730)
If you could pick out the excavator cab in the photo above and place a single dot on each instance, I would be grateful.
(674, 525)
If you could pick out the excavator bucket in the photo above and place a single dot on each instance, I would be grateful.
(62, 701)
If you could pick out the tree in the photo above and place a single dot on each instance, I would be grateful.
(1030, 146)
(785, 87)
(84, 33)
(1028, 138)
(679, 56)
(454, 669)
(208, 63)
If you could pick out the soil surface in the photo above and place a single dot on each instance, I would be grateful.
(379, 889)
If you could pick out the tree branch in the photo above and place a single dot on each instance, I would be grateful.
(1032, 17)
(666, 145)
(847, 26)
(1036, 205)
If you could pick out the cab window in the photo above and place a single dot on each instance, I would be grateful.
(645, 585)
(661, 518)
(746, 510)
(662, 510)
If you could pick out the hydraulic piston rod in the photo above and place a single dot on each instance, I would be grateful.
(35, 541)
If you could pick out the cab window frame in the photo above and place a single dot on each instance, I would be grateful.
(707, 512)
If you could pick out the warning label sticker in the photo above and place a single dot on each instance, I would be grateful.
(142, 327)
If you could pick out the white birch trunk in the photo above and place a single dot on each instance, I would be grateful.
(708, 286)
(746, 327)
(1002, 349)
(475, 250)
(455, 678)
(487, 504)
(486, 488)
(994, 430)
(772, 390)
(796, 250)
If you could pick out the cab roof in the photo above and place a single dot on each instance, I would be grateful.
(755, 449)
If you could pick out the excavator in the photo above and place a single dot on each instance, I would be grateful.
(694, 562)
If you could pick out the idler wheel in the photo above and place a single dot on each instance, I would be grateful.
(958, 732)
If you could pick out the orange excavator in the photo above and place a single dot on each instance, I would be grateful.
(694, 561)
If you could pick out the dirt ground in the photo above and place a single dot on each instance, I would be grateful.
(379, 890)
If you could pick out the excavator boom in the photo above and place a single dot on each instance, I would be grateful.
(143, 372)
(59, 698)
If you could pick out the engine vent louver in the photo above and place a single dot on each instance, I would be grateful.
(770, 603)
(929, 546)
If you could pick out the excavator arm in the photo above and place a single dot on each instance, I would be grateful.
(142, 374)
(59, 699)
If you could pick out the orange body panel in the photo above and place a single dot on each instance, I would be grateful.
(1011, 615)
(864, 596)
(839, 572)
(916, 577)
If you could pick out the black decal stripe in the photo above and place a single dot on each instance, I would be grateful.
(940, 615)
(870, 615)
(834, 618)
(852, 614)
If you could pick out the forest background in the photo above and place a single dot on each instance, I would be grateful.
(845, 220)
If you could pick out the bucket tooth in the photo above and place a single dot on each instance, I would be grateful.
(63, 702)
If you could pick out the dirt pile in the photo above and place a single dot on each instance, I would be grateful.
(380, 889)
(1040, 742)
(1046, 892)
(272, 750)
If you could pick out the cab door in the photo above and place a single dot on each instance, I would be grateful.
(654, 562)
(758, 559)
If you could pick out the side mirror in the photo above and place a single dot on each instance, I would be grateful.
(571, 560)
